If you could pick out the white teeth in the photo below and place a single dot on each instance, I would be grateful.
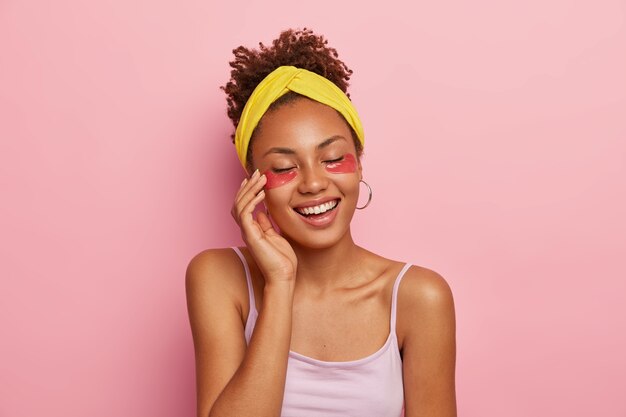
(322, 208)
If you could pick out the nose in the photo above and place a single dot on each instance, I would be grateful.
(312, 180)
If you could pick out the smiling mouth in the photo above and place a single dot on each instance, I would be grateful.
(318, 210)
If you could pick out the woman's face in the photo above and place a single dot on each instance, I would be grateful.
(306, 150)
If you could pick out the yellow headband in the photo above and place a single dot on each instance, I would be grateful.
(278, 83)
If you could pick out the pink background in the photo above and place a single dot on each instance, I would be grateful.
(495, 147)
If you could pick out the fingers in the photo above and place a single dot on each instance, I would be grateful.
(249, 193)
(245, 212)
(247, 184)
(266, 224)
(250, 188)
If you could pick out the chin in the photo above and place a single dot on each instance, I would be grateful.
(317, 242)
(312, 238)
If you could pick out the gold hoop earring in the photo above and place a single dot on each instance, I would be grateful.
(369, 198)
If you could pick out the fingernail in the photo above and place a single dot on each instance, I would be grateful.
(243, 182)
(255, 173)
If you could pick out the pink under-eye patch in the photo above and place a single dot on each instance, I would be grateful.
(346, 166)
(276, 179)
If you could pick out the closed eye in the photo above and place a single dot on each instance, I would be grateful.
(330, 161)
(281, 170)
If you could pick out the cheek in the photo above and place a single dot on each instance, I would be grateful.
(277, 179)
(346, 166)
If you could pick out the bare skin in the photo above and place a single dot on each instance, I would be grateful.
(317, 292)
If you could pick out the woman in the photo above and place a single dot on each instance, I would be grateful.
(302, 321)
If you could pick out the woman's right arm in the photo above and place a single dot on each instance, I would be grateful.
(232, 379)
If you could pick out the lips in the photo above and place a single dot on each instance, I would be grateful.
(317, 209)
(318, 213)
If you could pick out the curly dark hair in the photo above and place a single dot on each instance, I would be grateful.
(299, 48)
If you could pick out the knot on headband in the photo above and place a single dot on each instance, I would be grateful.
(278, 83)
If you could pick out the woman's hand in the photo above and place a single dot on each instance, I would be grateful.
(272, 253)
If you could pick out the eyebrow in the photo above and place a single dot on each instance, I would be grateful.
(289, 151)
(329, 141)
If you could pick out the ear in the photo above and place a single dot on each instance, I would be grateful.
(360, 167)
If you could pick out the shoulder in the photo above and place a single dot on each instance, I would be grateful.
(424, 286)
(212, 260)
(215, 271)
(425, 301)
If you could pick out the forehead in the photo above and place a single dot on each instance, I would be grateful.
(300, 125)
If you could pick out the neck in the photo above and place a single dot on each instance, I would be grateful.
(328, 267)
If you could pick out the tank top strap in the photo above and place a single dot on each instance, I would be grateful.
(394, 297)
(248, 280)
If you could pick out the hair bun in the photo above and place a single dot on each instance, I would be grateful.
(299, 48)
